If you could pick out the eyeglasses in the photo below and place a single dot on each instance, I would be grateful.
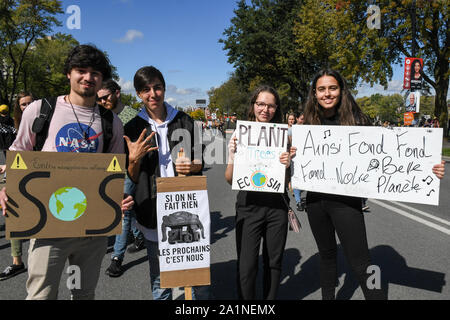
(263, 105)
(106, 98)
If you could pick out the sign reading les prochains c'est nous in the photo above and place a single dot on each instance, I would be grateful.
(257, 164)
(183, 231)
(62, 194)
(371, 162)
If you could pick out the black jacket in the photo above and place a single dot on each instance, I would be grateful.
(145, 192)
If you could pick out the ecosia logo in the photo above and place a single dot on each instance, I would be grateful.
(258, 179)
(70, 138)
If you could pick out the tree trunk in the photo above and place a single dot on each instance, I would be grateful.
(440, 106)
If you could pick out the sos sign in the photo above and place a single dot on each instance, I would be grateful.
(60, 194)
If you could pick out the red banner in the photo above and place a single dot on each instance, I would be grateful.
(412, 78)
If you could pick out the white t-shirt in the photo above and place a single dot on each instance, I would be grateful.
(165, 158)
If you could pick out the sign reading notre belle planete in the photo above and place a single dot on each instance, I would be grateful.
(61, 194)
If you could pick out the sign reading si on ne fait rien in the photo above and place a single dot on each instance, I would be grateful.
(183, 231)
(257, 164)
(370, 162)
(61, 194)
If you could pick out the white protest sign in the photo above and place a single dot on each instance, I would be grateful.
(371, 162)
(257, 164)
(183, 230)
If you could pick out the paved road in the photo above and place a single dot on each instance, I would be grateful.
(410, 243)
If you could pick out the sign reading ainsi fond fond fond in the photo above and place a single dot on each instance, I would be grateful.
(370, 162)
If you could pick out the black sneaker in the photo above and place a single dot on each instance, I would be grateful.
(301, 205)
(138, 245)
(12, 270)
(115, 269)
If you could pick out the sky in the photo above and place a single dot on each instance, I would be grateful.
(179, 37)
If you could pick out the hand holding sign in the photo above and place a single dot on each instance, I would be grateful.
(127, 203)
(285, 158)
(232, 148)
(184, 166)
(3, 200)
(439, 169)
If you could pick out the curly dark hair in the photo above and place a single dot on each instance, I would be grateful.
(84, 56)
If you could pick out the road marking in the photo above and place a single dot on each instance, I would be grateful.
(422, 213)
(413, 217)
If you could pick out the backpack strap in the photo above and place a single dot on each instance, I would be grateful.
(42, 123)
(107, 127)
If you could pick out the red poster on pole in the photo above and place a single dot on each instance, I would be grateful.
(412, 78)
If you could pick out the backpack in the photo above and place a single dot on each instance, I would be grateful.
(42, 123)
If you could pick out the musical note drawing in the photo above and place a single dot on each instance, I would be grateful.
(329, 134)
(430, 192)
(426, 179)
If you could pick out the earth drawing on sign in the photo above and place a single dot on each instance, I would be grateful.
(259, 179)
(67, 204)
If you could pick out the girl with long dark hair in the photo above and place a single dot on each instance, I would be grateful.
(331, 103)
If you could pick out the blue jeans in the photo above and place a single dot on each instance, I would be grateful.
(198, 293)
(120, 245)
(297, 195)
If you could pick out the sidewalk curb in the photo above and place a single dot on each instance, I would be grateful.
(446, 159)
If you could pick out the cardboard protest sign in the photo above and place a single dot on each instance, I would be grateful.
(257, 164)
(370, 162)
(62, 194)
(183, 231)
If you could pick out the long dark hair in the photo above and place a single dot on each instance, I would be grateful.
(347, 110)
(277, 117)
(17, 110)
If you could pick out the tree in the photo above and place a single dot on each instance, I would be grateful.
(23, 21)
(229, 97)
(198, 115)
(42, 70)
(129, 100)
(335, 33)
(383, 108)
(260, 44)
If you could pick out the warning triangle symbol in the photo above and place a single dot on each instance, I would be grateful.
(18, 163)
(114, 166)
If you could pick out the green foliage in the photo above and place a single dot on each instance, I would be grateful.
(229, 97)
(128, 99)
(285, 42)
(23, 21)
(335, 33)
(260, 44)
(198, 115)
(42, 69)
(383, 108)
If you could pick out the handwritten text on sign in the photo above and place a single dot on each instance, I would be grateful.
(371, 162)
(257, 164)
